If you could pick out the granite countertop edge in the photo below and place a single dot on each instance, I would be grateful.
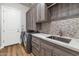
(43, 36)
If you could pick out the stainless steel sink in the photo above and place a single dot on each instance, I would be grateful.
(60, 39)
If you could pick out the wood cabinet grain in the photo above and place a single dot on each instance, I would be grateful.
(36, 40)
(31, 17)
(64, 10)
(60, 52)
(74, 9)
(36, 46)
(46, 49)
(38, 12)
(42, 47)
(34, 51)
(34, 17)
(42, 12)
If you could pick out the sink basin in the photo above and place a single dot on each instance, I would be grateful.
(65, 40)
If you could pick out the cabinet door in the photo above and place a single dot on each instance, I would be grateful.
(34, 17)
(65, 11)
(60, 11)
(35, 51)
(28, 16)
(54, 12)
(36, 46)
(60, 52)
(38, 12)
(74, 10)
(43, 12)
(46, 49)
(36, 40)
(31, 19)
(27, 21)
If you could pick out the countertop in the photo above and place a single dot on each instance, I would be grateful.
(73, 45)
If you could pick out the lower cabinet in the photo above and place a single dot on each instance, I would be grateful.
(41, 47)
(35, 51)
(46, 49)
(35, 46)
(45, 52)
(60, 52)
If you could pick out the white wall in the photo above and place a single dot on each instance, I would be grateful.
(23, 14)
(23, 9)
(0, 25)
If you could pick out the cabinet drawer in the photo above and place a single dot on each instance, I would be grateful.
(44, 44)
(35, 51)
(36, 40)
(46, 49)
(64, 51)
(37, 46)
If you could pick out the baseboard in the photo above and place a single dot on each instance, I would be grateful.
(1, 47)
(19, 42)
(10, 45)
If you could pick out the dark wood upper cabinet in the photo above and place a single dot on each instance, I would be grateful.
(59, 11)
(64, 11)
(74, 10)
(31, 17)
(45, 12)
(42, 12)
(38, 12)
(34, 18)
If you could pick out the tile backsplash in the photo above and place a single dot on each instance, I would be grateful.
(45, 27)
(68, 27)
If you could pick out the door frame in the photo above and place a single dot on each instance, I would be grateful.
(2, 41)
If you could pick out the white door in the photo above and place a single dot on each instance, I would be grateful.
(11, 25)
